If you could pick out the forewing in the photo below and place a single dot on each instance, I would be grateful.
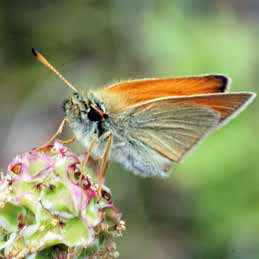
(125, 94)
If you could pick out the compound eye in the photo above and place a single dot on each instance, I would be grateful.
(94, 115)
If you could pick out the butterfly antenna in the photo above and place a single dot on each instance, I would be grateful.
(45, 62)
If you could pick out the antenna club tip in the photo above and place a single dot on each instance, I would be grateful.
(34, 52)
(45, 62)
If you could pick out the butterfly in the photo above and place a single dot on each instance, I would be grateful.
(149, 125)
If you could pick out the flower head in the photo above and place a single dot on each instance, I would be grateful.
(49, 205)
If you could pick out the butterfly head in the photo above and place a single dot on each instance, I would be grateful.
(79, 110)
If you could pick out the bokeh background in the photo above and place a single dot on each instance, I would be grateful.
(209, 207)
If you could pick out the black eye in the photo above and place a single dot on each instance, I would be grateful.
(94, 115)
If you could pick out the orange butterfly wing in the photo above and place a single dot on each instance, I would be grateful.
(137, 91)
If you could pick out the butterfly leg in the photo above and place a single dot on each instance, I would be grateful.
(59, 131)
(87, 155)
(88, 151)
(108, 137)
(67, 141)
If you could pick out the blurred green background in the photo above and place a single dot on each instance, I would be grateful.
(209, 208)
